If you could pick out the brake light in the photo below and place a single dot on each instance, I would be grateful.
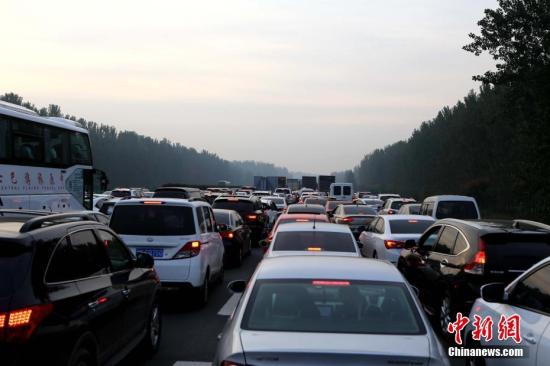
(302, 220)
(314, 249)
(329, 283)
(391, 212)
(228, 235)
(393, 244)
(190, 249)
(18, 325)
(153, 202)
(477, 265)
(413, 221)
(347, 219)
(252, 217)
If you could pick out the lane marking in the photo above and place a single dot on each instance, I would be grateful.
(192, 363)
(230, 305)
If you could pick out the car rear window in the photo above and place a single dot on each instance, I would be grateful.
(456, 210)
(121, 193)
(170, 193)
(15, 260)
(309, 209)
(397, 204)
(332, 306)
(315, 201)
(409, 226)
(314, 241)
(153, 220)
(237, 205)
(359, 210)
(222, 218)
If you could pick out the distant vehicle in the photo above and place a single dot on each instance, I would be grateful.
(312, 200)
(363, 194)
(98, 201)
(148, 194)
(250, 209)
(325, 181)
(454, 258)
(374, 203)
(125, 193)
(313, 310)
(305, 209)
(178, 192)
(357, 217)
(386, 236)
(309, 238)
(331, 206)
(341, 191)
(261, 193)
(280, 202)
(45, 162)
(527, 296)
(270, 209)
(309, 182)
(242, 193)
(385, 196)
(409, 209)
(108, 206)
(392, 205)
(450, 206)
(235, 234)
(181, 235)
(290, 218)
(83, 276)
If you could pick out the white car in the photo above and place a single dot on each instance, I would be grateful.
(450, 207)
(270, 209)
(280, 202)
(313, 238)
(181, 235)
(261, 193)
(527, 296)
(386, 235)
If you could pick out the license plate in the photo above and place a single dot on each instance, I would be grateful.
(153, 252)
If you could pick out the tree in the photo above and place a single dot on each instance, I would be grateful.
(517, 35)
(12, 98)
(54, 110)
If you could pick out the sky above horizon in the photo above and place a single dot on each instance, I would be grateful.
(310, 85)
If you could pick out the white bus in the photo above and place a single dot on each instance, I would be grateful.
(45, 162)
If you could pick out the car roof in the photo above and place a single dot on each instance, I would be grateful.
(186, 189)
(328, 267)
(408, 217)
(499, 226)
(167, 201)
(450, 197)
(319, 226)
(309, 216)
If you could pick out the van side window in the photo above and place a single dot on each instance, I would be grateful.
(208, 220)
(337, 190)
(429, 209)
(446, 241)
(201, 220)
(347, 190)
(80, 257)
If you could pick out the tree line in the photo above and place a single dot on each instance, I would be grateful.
(133, 160)
(495, 143)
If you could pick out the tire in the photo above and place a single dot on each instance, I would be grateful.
(238, 260)
(150, 344)
(82, 356)
(201, 297)
(445, 315)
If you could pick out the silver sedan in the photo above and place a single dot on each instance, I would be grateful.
(342, 311)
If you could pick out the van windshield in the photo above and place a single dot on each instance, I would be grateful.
(457, 210)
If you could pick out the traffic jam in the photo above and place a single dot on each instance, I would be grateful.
(340, 278)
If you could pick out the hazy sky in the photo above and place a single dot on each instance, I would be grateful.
(311, 85)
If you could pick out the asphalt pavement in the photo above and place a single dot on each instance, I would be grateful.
(189, 335)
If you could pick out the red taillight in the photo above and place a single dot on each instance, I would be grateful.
(391, 212)
(314, 249)
(302, 220)
(190, 249)
(393, 244)
(228, 235)
(252, 217)
(347, 220)
(18, 325)
(329, 283)
(153, 202)
(477, 265)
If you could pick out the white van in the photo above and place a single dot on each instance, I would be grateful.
(450, 206)
(341, 191)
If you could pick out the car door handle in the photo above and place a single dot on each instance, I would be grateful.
(530, 339)
(444, 263)
(94, 304)
(126, 292)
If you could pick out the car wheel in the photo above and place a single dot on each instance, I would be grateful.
(445, 314)
(151, 342)
(375, 255)
(82, 357)
(202, 293)
(221, 275)
(239, 257)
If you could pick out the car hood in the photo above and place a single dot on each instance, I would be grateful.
(292, 348)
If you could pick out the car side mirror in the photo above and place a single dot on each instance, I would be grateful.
(263, 243)
(493, 292)
(237, 287)
(144, 260)
(222, 228)
(409, 244)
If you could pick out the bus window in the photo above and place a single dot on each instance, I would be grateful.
(3, 138)
(57, 146)
(80, 149)
(28, 141)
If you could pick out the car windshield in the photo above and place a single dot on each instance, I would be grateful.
(332, 306)
(359, 210)
(237, 205)
(397, 204)
(456, 210)
(313, 209)
(156, 220)
(318, 241)
(412, 226)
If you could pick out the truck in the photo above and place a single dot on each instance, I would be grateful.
(272, 183)
(281, 182)
(293, 184)
(309, 182)
(260, 182)
(325, 181)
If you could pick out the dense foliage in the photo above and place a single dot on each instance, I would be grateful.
(495, 144)
(133, 160)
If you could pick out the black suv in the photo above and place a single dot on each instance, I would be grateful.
(454, 258)
(250, 209)
(71, 293)
(178, 192)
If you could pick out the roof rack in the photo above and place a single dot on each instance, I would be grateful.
(528, 224)
(38, 222)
